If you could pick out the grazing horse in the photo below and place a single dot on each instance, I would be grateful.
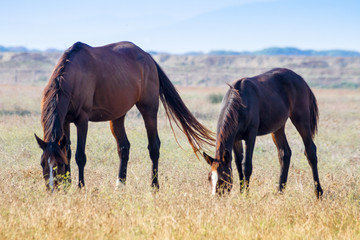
(103, 84)
(257, 106)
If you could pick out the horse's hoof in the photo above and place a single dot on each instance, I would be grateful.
(155, 187)
(119, 184)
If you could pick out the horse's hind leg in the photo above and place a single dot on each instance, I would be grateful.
(303, 128)
(284, 153)
(149, 114)
(123, 147)
(239, 156)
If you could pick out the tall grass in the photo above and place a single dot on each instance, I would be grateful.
(183, 208)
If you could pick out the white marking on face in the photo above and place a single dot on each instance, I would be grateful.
(214, 179)
(51, 178)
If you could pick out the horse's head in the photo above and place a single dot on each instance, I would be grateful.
(53, 161)
(220, 176)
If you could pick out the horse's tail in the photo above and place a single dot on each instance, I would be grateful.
(314, 114)
(176, 110)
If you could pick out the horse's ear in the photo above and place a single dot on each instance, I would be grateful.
(41, 143)
(226, 156)
(62, 143)
(208, 159)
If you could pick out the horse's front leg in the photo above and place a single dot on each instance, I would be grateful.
(247, 163)
(239, 156)
(80, 157)
(68, 151)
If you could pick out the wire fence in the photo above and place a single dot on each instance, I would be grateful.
(24, 76)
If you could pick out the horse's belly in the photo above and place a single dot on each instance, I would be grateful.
(272, 123)
(112, 105)
(98, 114)
(101, 116)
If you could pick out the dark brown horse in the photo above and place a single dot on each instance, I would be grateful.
(102, 84)
(258, 106)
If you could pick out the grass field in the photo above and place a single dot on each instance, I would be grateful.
(183, 208)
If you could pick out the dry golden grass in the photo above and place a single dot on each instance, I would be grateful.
(184, 208)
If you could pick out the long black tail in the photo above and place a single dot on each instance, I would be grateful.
(314, 114)
(176, 110)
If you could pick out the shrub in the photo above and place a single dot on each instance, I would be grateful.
(215, 98)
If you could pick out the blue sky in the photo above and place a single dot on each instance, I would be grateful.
(183, 25)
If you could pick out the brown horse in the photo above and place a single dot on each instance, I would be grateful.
(102, 84)
(258, 106)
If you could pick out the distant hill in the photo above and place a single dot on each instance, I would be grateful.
(200, 69)
(21, 49)
(273, 51)
(290, 51)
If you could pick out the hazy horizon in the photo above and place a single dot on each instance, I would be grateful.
(215, 51)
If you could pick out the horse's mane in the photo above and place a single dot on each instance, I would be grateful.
(230, 115)
(52, 110)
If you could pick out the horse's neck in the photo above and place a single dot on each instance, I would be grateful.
(227, 129)
(225, 138)
(53, 129)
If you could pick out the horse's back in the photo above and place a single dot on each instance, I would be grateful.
(111, 79)
(272, 97)
(281, 84)
(294, 87)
